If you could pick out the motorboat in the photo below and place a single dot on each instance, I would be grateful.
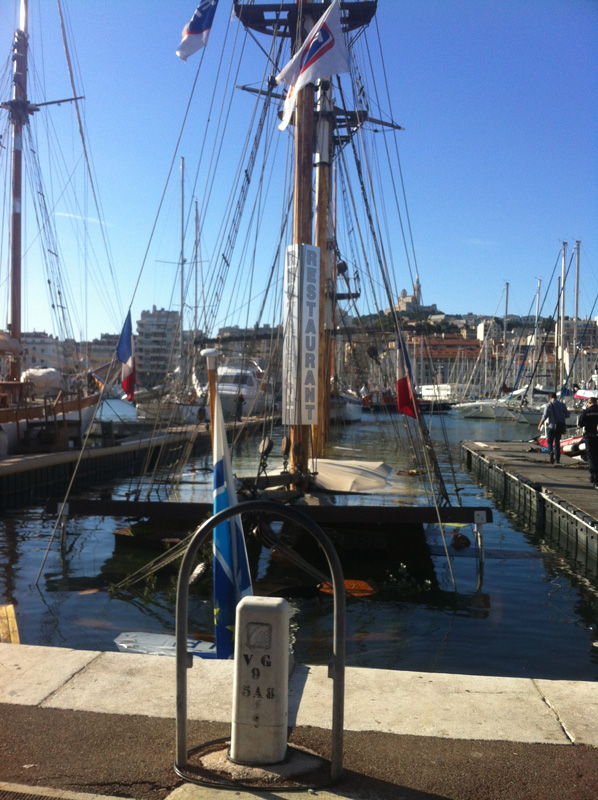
(242, 389)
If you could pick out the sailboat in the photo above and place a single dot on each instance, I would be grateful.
(49, 409)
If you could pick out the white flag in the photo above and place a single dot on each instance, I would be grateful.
(324, 52)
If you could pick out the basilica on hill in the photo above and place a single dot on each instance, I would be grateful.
(412, 303)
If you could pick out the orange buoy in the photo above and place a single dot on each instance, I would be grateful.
(352, 588)
(460, 541)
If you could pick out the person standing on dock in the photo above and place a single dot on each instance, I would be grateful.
(588, 420)
(554, 415)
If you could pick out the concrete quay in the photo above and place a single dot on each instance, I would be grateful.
(102, 723)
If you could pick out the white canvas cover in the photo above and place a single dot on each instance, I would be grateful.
(44, 381)
(351, 476)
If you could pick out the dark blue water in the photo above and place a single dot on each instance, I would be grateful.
(527, 614)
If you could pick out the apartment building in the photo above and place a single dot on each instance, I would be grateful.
(42, 351)
(157, 350)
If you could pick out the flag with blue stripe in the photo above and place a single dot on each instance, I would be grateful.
(197, 30)
(232, 579)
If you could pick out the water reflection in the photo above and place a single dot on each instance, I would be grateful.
(531, 616)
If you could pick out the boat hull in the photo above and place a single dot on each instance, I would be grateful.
(254, 402)
(32, 428)
(572, 446)
(172, 413)
(345, 408)
(484, 409)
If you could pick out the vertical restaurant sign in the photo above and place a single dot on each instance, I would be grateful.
(301, 335)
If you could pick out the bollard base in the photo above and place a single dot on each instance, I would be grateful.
(211, 765)
(258, 747)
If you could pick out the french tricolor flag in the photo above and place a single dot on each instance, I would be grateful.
(406, 400)
(197, 30)
(125, 352)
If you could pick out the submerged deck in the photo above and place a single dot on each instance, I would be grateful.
(27, 479)
(556, 501)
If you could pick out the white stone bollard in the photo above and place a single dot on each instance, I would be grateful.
(261, 681)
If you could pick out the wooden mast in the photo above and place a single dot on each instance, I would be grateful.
(19, 113)
(19, 109)
(325, 124)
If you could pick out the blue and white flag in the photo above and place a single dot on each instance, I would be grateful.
(197, 30)
(323, 53)
(232, 580)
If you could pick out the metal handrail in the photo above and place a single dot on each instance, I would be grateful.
(337, 667)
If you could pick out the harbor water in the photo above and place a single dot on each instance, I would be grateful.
(528, 612)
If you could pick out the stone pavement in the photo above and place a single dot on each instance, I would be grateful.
(90, 722)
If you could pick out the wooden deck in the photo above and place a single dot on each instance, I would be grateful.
(9, 632)
(558, 500)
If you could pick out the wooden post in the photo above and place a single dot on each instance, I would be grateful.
(211, 355)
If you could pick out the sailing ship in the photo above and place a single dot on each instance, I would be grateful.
(301, 289)
(49, 409)
(313, 106)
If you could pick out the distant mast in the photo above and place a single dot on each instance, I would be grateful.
(560, 365)
(576, 314)
(504, 342)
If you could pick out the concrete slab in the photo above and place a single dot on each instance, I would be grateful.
(191, 792)
(127, 683)
(51, 794)
(428, 704)
(30, 675)
(575, 704)
(119, 683)
(384, 701)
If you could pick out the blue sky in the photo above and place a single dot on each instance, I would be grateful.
(499, 101)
